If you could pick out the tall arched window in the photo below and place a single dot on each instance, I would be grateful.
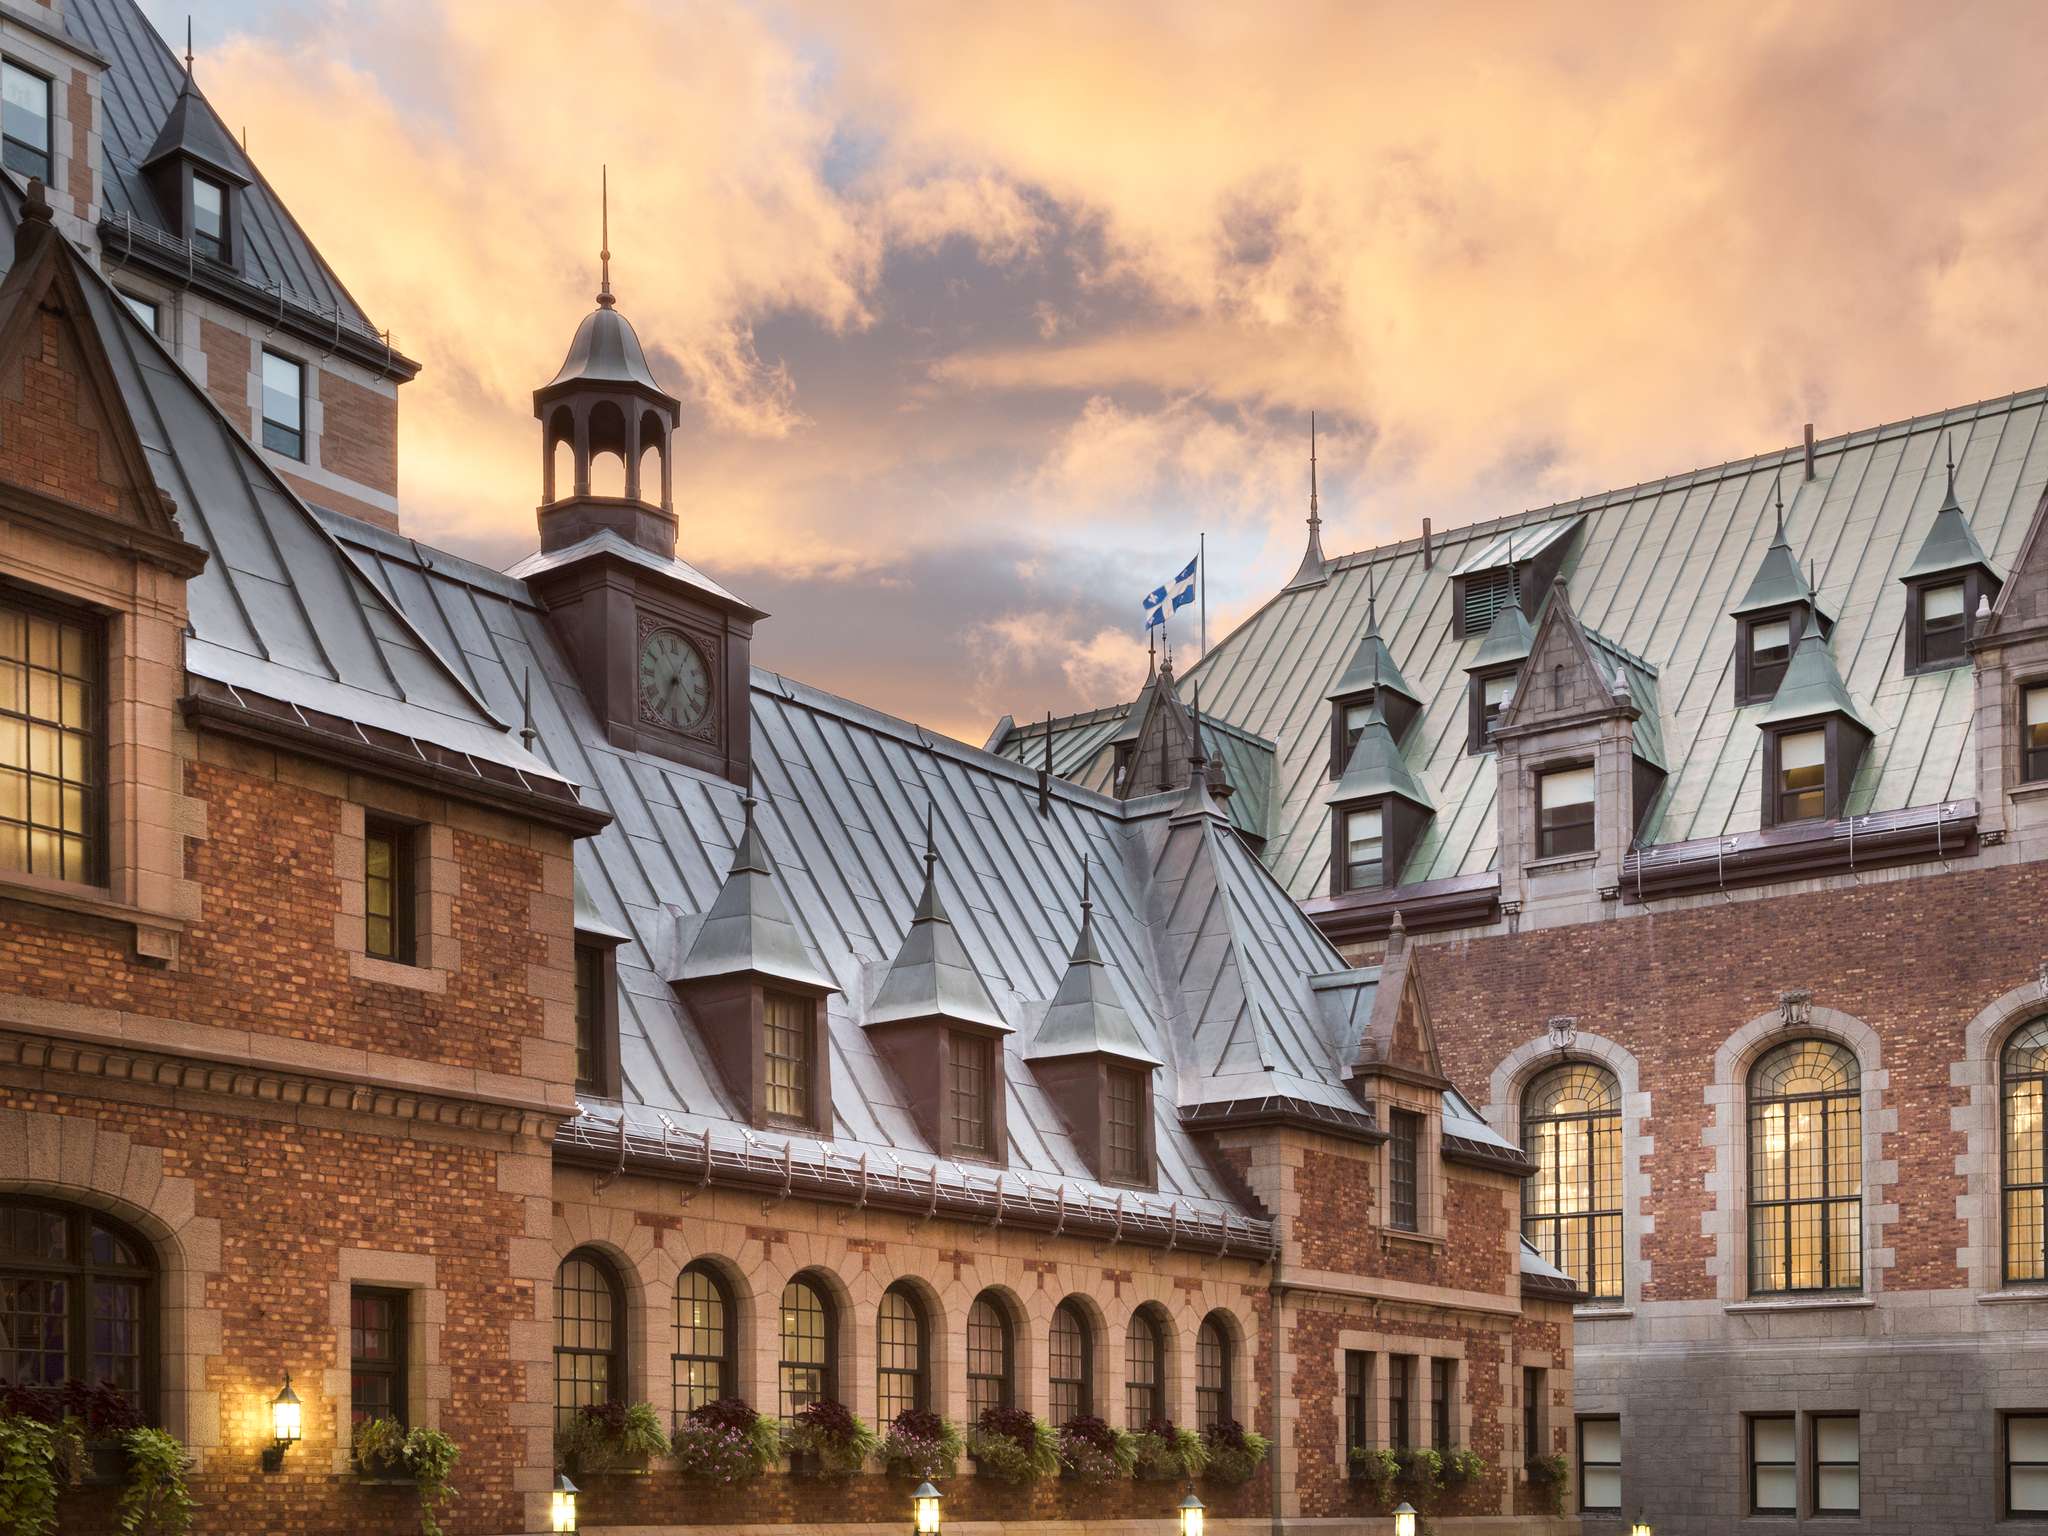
(1806, 1169)
(1571, 1205)
(701, 1363)
(901, 1348)
(804, 1375)
(2023, 1086)
(1144, 1370)
(1071, 1365)
(590, 1334)
(1212, 1373)
(77, 1301)
(991, 1357)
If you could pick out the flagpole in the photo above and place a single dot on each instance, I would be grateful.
(1202, 571)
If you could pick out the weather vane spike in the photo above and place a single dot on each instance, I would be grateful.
(1314, 515)
(188, 44)
(1948, 443)
(931, 844)
(604, 253)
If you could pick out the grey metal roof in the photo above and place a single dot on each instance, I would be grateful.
(1656, 568)
(1373, 666)
(748, 931)
(191, 129)
(606, 350)
(1507, 641)
(608, 542)
(139, 89)
(1812, 686)
(932, 976)
(1515, 546)
(1086, 1018)
(1778, 580)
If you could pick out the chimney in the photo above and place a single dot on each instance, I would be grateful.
(1809, 450)
(1428, 556)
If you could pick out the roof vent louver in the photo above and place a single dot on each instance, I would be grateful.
(1486, 593)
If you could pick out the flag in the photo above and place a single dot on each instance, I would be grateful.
(1155, 607)
(1184, 584)
(1156, 604)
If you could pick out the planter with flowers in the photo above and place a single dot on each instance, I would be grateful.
(1166, 1453)
(827, 1439)
(610, 1438)
(1013, 1446)
(724, 1442)
(1235, 1453)
(921, 1446)
(1092, 1451)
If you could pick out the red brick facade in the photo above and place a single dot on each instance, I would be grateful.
(358, 433)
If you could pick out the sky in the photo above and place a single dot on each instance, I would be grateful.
(983, 314)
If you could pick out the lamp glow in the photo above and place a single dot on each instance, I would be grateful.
(562, 1506)
(1641, 1526)
(1192, 1515)
(924, 1511)
(285, 1421)
(1404, 1519)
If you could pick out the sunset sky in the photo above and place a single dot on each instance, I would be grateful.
(982, 313)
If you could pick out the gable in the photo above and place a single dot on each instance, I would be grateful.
(1562, 678)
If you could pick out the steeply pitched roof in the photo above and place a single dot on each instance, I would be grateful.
(191, 129)
(1950, 545)
(932, 976)
(747, 930)
(1376, 767)
(1085, 1018)
(1812, 688)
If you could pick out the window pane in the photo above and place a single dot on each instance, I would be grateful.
(1363, 849)
(209, 210)
(1600, 1439)
(969, 1091)
(144, 309)
(2037, 714)
(698, 1361)
(1770, 639)
(1493, 691)
(2027, 1437)
(1834, 1439)
(1776, 1488)
(1836, 1490)
(899, 1357)
(1405, 1136)
(2030, 1490)
(1772, 1439)
(1602, 1487)
(1123, 1139)
(786, 1032)
(1942, 602)
(1067, 1358)
(49, 744)
(25, 119)
(803, 1376)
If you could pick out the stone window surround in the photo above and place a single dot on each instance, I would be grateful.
(1725, 1220)
(1546, 1410)
(436, 881)
(48, 52)
(1380, 1348)
(1393, 1094)
(75, 1159)
(428, 1383)
(649, 1270)
(1980, 1165)
(1511, 1079)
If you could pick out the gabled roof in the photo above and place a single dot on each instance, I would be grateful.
(1949, 545)
(1085, 1018)
(747, 931)
(1812, 687)
(191, 129)
(1376, 768)
(932, 976)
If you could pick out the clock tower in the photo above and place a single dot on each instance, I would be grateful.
(662, 650)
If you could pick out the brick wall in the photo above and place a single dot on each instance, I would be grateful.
(78, 106)
(227, 372)
(53, 436)
(359, 432)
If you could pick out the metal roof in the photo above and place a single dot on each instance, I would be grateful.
(606, 350)
(1376, 767)
(1515, 546)
(1950, 544)
(1656, 568)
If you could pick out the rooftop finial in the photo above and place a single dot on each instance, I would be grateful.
(188, 45)
(1372, 606)
(604, 254)
(1315, 519)
(1151, 655)
(1087, 902)
(526, 731)
(1948, 444)
(1198, 754)
(931, 843)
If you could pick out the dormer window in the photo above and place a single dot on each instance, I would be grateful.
(786, 1029)
(1768, 644)
(2034, 734)
(970, 1075)
(1801, 776)
(209, 217)
(1938, 618)
(1364, 848)
(1564, 812)
(1123, 1140)
(1491, 694)
(1482, 596)
(25, 121)
(1350, 726)
(284, 404)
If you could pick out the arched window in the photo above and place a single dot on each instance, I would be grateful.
(1571, 1205)
(2023, 1084)
(590, 1334)
(1805, 1170)
(1144, 1370)
(1212, 1373)
(1071, 1365)
(900, 1353)
(702, 1361)
(77, 1301)
(991, 1357)
(804, 1375)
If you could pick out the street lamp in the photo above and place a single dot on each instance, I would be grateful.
(1404, 1519)
(1191, 1514)
(285, 1420)
(1641, 1526)
(924, 1511)
(562, 1507)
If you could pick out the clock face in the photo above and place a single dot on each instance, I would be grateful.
(675, 685)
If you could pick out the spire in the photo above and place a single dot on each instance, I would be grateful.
(1310, 573)
(1778, 582)
(1085, 1018)
(1197, 801)
(1812, 687)
(1950, 546)
(1376, 767)
(1151, 655)
(188, 45)
(748, 930)
(932, 976)
(604, 249)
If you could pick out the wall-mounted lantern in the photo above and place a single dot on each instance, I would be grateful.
(285, 1424)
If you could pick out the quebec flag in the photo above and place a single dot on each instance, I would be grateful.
(1182, 588)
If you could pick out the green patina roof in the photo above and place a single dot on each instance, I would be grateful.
(1507, 641)
(1950, 545)
(1376, 768)
(1372, 665)
(1812, 687)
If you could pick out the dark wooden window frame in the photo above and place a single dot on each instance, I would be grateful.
(2033, 764)
(1477, 737)
(1146, 1324)
(1084, 1383)
(1115, 1168)
(404, 839)
(1589, 1127)
(828, 1370)
(1752, 687)
(1006, 1380)
(809, 1043)
(597, 983)
(1357, 1401)
(396, 1370)
(1754, 1104)
(1579, 1454)
(1214, 1404)
(919, 1376)
(48, 172)
(615, 1356)
(1443, 1389)
(1400, 1404)
(289, 440)
(1535, 1389)
(726, 1362)
(1545, 848)
(1843, 746)
(1405, 1149)
(2007, 1186)
(1976, 583)
(223, 247)
(1756, 1506)
(81, 1272)
(961, 1045)
(2007, 1462)
(94, 622)
(1815, 1466)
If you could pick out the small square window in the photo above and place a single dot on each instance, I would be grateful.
(2026, 1464)
(1564, 812)
(1943, 624)
(1599, 1465)
(2034, 734)
(376, 1355)
(1802, 775)
(1770, 652)
(1404, 1147)
(1837, 1465)
(209, 218)
(24, 120)
(284, 405)
(1364, 848)
(786, 1039)
(1773, 1466)
(388, 890)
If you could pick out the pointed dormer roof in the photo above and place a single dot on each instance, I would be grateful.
(1507, 641)
(193, 130)
(1372, 664)
(1134, 722)
(1376, 767)
(1812, 688)
(1950, 545)
(748, 931)
(1312, 572)
(1085, 1018)
(1399, 1039)
(1196, 800)
(1778, 581)
(931, 976)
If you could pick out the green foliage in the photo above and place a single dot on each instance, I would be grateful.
(1092, 1450)
(1553, 1473)
(425, 1455)
(725, 1442)
(1377, 1466)
(1012, 1446)
(1165, 1453)
(1235, 1453)
(922, 1446)
(609, 1437)
(34, 1458)
(1422, 1473)
(155, 1500)
(835, 1439)
(1461, 1467)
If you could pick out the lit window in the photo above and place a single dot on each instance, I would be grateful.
(1571, 1206)
(1599, 1464)
(1144, 1391)
(284, 405)
(1942, 624)
(589, 1333)
(899, 1355)
(388, 890)
(990, 1353)
(1069, 1364)
(2034, 736)
(2023, 1074)
(49, 744)
(1805, 1170)
(700, 1364)
(1403, 1149)
(968, 1090)
(1773, 1467)
(1770, 651)
(1802, 775)
(1123, 1137)
(786, 1039)
(77, 1295)
(143, 309)
(376, 1355)
(1443, 1379)
(1212, 1374)
(1364, 849)
(24, 121)
(2026, 1464)
(210, 218)
(804, 1375)
(1564, 812)
(1837, 1465)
